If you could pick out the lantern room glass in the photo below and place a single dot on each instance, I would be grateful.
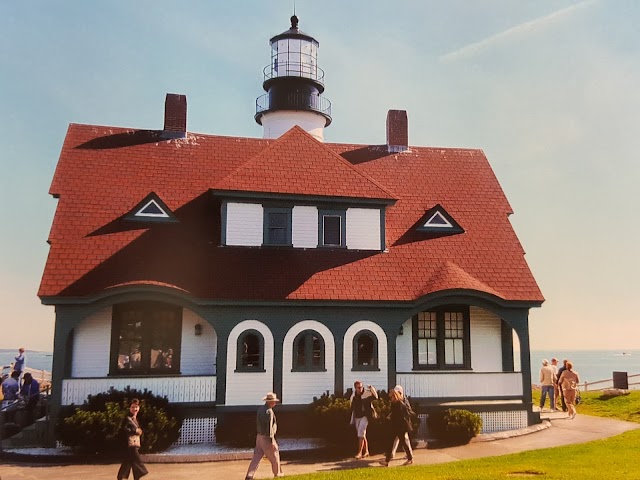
(294, 57)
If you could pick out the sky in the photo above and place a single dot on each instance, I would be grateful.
(548, 89)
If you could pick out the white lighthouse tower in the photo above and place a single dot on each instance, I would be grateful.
(294, 84)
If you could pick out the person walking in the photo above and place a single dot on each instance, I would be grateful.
(400, 426)
(362, 412)
(547, 381)
(560, 370)
(266, 445)
(569, 381)
(396, 440)
(131, 460)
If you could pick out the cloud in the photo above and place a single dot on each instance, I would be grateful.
(475, 48)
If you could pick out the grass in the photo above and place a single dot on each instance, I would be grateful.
(615, 457)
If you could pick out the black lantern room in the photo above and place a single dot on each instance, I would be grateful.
(293, 81)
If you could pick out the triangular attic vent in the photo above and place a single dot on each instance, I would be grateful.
(151, 209)
(437, 219)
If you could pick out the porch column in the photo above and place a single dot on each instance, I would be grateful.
(520, 321)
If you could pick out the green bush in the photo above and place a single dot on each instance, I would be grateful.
(94, 427)
(454, 426)
(237, 429)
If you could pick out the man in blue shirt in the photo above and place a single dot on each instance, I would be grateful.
(11, 386)
(18, 366)
(30, 391)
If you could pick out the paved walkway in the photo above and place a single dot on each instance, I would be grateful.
(555, 431)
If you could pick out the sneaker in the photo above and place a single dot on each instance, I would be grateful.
(358, 457)
(408, 462)
(365, 455)
(384, 463)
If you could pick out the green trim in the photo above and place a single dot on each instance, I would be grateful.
(506, 342)
(233, 195)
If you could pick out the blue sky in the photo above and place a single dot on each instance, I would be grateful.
(549, 89)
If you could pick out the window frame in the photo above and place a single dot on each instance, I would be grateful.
(440, 339)
(308, 363)
(266, 239)
(247, 369)
(146, 308)
(355, 367)
(342, 213)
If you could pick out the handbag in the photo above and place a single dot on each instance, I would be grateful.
(578, 397)
(133, 441)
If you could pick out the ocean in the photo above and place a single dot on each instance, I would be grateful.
(592, 365)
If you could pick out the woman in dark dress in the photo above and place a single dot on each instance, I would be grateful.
(400, 421)
(132, 432)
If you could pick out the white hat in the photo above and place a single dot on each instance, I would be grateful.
(270, 397)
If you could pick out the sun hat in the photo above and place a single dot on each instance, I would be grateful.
(270, 397)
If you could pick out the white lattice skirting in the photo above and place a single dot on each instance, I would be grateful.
(491, 422)
(197, 430)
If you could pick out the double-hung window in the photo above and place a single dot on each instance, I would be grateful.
(277, 226)
(332, 228)
(441, 339)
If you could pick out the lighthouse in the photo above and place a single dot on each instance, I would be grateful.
(294, 84)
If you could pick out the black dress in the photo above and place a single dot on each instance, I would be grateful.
(131, 458)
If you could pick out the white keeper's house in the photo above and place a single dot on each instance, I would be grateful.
(213, 269)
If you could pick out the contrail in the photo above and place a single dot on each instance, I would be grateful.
(477, 47)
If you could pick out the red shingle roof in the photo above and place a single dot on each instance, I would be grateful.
(104, 172)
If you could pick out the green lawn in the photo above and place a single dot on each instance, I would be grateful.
(613, 458)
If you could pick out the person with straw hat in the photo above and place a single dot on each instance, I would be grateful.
(266, 445)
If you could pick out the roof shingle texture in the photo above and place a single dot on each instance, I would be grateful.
(103, 172)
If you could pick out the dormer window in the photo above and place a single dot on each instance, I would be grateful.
(277, 226)
(332, 228)
(437, 220)
(151, 209)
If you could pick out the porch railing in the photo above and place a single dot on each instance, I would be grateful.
(176, 389)
(461, 384)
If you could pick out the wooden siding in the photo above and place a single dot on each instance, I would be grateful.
(198, 353)
(92, 345)
(404, 348)
(244, 224)
(460, 384)
(304, 225)
(363, 229)
(486, 341)
(248, 388)
(301, 387)
(176, 389)
(377, 378)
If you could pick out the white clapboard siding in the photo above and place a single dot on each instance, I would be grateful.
(244, 224)
(404, 348)
(304, 227)
(92, 345)
(198, 352)
(363, 229)
(438, 385)
(376, 378)
(176, 389)
(486, 341)
(248, 388)
(301, 387)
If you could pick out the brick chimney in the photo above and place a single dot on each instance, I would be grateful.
(397, 131)
(175, 116)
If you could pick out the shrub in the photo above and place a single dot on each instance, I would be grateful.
(237, 429)
(95, 426)
(454, 426)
